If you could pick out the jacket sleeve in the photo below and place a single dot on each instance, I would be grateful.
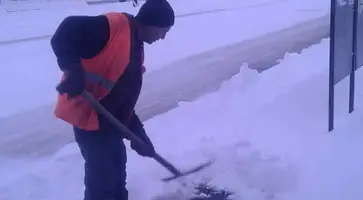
(137, 127)
(79, 37)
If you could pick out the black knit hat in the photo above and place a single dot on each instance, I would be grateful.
(157, 13)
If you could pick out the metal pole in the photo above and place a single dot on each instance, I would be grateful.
(354, 56)
(332, 64)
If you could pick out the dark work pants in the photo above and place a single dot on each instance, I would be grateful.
(105, 163)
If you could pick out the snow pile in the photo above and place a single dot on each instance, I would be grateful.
(283, 112)
(266, 134)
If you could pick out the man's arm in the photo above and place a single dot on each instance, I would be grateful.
(79, 37)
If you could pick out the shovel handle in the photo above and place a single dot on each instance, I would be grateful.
(101, 110)
(123, 129)
(167, 165)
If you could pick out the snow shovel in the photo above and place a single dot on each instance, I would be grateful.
(171, 168)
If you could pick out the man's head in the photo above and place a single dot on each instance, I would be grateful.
(155, 18)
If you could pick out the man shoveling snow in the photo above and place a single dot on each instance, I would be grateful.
(103, 55)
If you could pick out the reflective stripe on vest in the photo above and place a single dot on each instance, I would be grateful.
(97, 79)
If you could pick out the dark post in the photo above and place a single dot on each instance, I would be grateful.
(332, 64)
(354, 56)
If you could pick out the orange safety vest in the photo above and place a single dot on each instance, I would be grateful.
(102, 73)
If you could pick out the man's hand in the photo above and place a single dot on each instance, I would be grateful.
(73, 84)
(146, 149)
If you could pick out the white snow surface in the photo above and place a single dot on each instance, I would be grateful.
(267, 134)
(194, 32)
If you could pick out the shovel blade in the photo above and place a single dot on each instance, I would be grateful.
(191, 171)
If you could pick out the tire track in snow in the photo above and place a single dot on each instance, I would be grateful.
(258, 5)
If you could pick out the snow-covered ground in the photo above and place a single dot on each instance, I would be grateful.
(266, 132)
(194, 32)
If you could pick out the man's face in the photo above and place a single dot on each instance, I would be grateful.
(155, 33)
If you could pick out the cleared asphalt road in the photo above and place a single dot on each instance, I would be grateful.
(38, 133)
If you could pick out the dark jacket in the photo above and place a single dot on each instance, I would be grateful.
(83, 37)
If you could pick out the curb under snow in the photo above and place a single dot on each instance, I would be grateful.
(196, 76)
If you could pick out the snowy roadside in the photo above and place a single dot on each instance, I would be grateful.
(41, 135)
(266, 131)
(28, 25)
(38, 58)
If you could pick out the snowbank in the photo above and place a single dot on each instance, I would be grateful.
(267, 134)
